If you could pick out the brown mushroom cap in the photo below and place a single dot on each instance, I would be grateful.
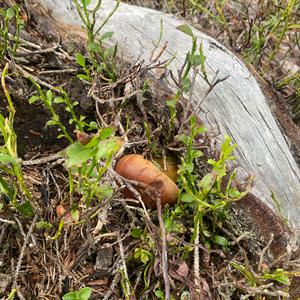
(135, 167)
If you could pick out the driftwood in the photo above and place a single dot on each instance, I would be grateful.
(237, 105)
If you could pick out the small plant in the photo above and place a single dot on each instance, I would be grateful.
(86, 162)
(207, 197)
(102, 60)
(144, 253)
(83, 294)
(193, 61)
(89, 162)
(279, 275)
(9, 161)
(6, 43)
(48, 100)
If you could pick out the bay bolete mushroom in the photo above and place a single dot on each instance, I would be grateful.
(135, 167)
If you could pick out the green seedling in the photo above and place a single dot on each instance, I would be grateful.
(9, 161)
(144, 253)
(126, 285)
(89, 162)
(171, 104)
(195, 60)
(43, 225)
(207, 197)
(284, 22)
(102, 60)
(151, 143)
(279, 275)
(81, 61)
(86, 163)
(48, 101)
(7, 43)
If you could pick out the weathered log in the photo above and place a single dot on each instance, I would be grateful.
(237, 106)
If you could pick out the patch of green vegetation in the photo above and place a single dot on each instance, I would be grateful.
(83, 294)
(10, 44)
(9, 161)
(102, 59)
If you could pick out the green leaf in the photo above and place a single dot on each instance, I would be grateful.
(202, 60)
(220, 240)
(105, 191)
(80, 59)
(201, 129)
(33, 99)
(10, 13)
(83, 77)
(206, 233)
(93, 125)
(144, 257)
(248, 274)
(85, 293)
(49, 96)
(78, 154)
(107, 35)
(4, 188)
(185, 29)
(233, 193)
(159, 294)
(185, 197)
(186, 167)
(196, 154)
(6, 158)
(172, 103)
(136, 233)
(168, 222)
(137, 253)
(106, 132)
(196, 60)
(95, 47)
(75, 214)
(107, 148)
(211, 162)
(59, 100)
(207, 183)
(279, 275)
(43, 225)
(86, 2)
(82, 294)
(51, 123)
(25, 208)
(186, 84)
(294, 26)
(183, 138)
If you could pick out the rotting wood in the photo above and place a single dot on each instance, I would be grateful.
(236, 106)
